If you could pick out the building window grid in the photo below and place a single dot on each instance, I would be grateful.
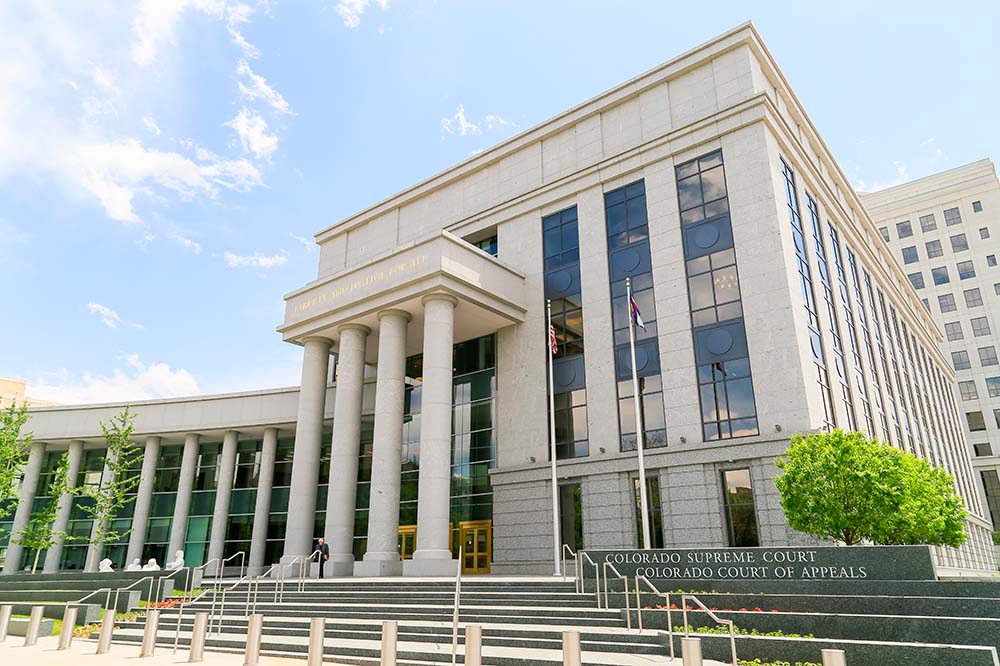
(953, 331)
(967, 390)
(880, 344)
(866, 338)
(904, 229)
(993, 387)
(725, 387)
(952, 216)
(966, 270)
(916, 279)
(973, 298)
(959, 243)
(837, 344)
(988, 356)
(739, 508)
(809, 297)
(991, 488)
(934, 249)
(980, 327)
(928, 223)
(561, 247)
(910, 255)
(905, 440)
(852, 334)
(940, 275)
(946, 303)
(626, 224)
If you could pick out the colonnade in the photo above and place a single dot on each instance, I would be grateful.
(433, 555)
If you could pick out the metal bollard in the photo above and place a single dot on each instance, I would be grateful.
(149, 634)
(571, 648)
(107, 628)
(197, 651)
(834, 658)
(317, 632)
(388, 643)
(255, 629)
(5, 612)
(31, 635)
(473, 645)
(69, 624)
(691, 651)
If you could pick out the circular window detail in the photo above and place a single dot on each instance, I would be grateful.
(566, 375)
(628, 261)
(707, 235)
(641, 359)
(719, 341)
(560, 282)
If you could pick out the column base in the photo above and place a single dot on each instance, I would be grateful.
(430, 567)
(340, 565)
(372, 568)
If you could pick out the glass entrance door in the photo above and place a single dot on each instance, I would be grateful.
(407, 541)
(477, 546)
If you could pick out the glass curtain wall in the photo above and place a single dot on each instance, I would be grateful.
(199, 527)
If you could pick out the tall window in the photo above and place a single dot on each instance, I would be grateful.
(809, 298)
(738, 504)
(720, 344)
(991, 485)
(561, 246)
(628, 256)
(74, 554)
(161, 507)
(282, 480)
(852, 335)
(866, 338)
(239, 525)
(199, 528)
(655, 512)
(831, 311)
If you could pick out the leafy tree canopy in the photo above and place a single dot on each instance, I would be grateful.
(843, 486)
(14, 449)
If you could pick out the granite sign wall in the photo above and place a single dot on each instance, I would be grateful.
(822, 563)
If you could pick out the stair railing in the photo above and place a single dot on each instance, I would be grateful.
(222, 605)
(625, 592)
(180, 611)
(119, 590)
(454, 613)
(666, 598)
(107, 597)
(687, 629)
(597, 577)
(161, 579)
(565, 548)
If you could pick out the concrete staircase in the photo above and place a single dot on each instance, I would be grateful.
(522, 620)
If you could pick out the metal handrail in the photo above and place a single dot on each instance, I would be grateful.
(628, 610)
(180, 609)
(118, 591)
(572, 552)
(716, 618)
(455, 613)
(666, 598)
(222, 605)
(161, 579)
(302, 562)
(107, 598)
(597, 577)
(242, 554)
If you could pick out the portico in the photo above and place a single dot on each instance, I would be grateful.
(419, 299)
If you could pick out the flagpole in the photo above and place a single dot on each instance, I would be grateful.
(552, 445)
(639, 435)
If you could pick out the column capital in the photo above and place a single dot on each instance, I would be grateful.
(392, 312)
(439, 296)
(354, 327)
(317, 338)
(153, 438)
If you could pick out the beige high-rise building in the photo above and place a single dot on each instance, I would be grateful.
(944, 230)
(13, 390)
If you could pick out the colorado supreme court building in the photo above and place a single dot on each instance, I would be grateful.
(772, 307)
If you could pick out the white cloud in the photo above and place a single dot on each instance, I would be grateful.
(259, 88)
(308, 244)
(350, 11)
(192, 245)
(237, 15)
(458, 123)
(465, 127)
(256, 260)
(493, 120)
(135, 381)
(902, 176)
(110, 318)
(151, 125)
(115, 172)
(252, 130)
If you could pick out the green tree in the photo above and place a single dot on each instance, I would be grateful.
(117, 482)
(843, 486)
(38, 534)
(14, 449)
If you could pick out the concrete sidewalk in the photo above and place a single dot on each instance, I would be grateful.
(82, 653)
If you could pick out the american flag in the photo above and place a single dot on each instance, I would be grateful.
(553, 344)
(636, 317)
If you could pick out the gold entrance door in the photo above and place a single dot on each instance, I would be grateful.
(407, 541)
(477, 546)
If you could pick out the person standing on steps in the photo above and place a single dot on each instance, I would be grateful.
(322, 554)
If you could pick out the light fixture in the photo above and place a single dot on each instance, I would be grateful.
(602, 449)
(531, 458)
(777, 428)
(684, 440)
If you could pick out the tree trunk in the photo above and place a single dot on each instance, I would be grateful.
(38, 551)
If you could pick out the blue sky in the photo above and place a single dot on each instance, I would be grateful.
(164, 163)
